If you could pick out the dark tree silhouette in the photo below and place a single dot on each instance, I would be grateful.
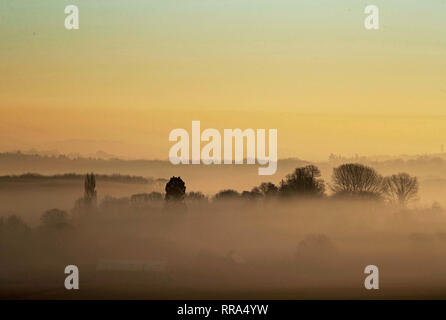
(254, 194)
(268, 189)
(227, 194)
(90, 196)
(353, 179)
(55, 219)
(401, 188)
(175, 189)
(304, 181)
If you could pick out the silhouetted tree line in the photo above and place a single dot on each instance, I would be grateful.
(74, 176)
(349, 181)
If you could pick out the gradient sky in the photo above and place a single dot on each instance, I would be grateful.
(137, 69)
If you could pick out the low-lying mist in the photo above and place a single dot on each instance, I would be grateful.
(245, 248)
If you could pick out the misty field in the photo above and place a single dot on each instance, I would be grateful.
(309, 235)
(230, 246)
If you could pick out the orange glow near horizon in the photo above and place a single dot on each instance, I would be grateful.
(131, 74)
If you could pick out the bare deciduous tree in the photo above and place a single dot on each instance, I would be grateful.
(401, 188)
(357, 180)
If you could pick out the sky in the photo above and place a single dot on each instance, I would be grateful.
(135, 70)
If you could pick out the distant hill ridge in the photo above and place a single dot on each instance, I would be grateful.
(73, 176)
